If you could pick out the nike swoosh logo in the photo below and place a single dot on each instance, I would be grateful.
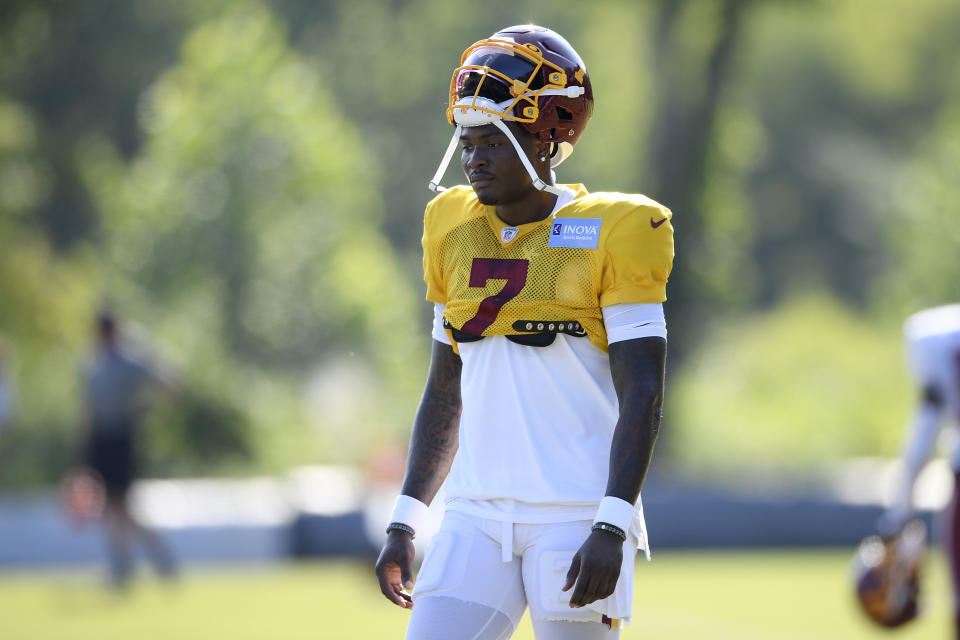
(657, 223)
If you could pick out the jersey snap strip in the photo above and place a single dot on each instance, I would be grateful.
(535, 333)
(569, 327)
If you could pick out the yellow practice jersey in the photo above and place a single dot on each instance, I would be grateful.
(598, 250)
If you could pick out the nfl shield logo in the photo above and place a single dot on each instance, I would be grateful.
(508, 233)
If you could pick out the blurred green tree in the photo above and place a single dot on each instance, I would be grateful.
(922, 224)
(248, 225)
(247, 180)
(79, 68)
(841, 97)
(790, 389)
(42, 294)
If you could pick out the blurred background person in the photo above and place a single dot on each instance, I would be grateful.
(933, 350)
(116, 386)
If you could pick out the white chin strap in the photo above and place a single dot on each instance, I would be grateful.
(466, 116)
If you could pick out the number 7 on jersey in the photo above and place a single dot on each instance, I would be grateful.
(484, 269)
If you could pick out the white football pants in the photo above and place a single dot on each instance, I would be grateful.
(466, 591)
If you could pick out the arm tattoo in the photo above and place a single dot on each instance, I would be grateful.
(637, 367)
(436, 426)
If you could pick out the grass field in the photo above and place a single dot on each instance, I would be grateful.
(679, 596)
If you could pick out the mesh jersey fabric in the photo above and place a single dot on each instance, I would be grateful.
(491, 275)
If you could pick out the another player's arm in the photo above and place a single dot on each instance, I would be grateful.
(432, 447)
(637, 367)
(918, 448)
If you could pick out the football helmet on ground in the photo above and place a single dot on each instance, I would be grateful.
(887, 574)
(529, 75)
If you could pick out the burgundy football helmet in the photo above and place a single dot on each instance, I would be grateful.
(887, 574)
(530, 75)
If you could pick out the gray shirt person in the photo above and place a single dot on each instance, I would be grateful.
(115, 387)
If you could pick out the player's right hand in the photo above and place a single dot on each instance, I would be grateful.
(393, 568)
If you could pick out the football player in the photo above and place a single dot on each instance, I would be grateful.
(933, 348)
(543, 399)
(115, 383)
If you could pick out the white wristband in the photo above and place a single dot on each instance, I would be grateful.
(617, 512)
(409, 511)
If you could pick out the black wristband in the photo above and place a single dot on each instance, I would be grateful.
(609, 528)
(399, 526)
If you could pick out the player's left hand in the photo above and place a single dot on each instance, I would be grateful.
(595, 568)
(393, 568)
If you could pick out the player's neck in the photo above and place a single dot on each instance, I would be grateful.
(534, 207)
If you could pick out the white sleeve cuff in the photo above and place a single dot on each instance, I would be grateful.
(409, 511)
(617, 512)
(438, 333)
(634, 320)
